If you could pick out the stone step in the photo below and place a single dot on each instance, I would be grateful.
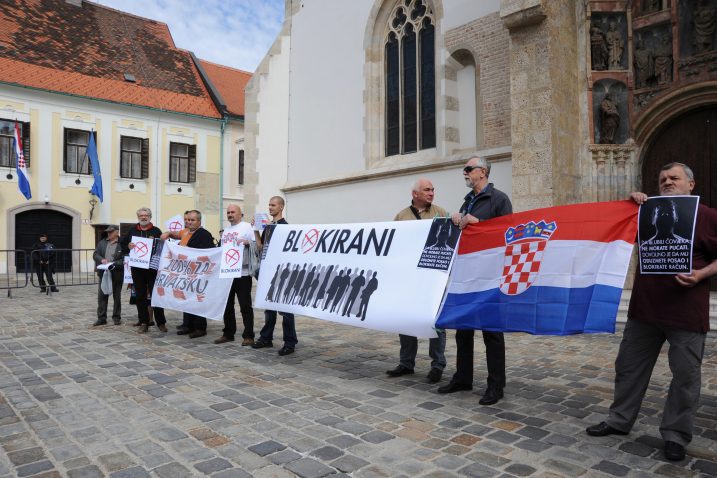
(625, 301)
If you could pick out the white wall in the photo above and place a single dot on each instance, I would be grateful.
(273, 138)
(380, 200)
(460, 12)
(327, 84)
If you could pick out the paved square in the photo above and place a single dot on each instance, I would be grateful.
(81, 401)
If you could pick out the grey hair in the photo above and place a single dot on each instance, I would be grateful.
(685, 168)
(417, 184)
(145, 209)
(198, 213)
(481, 162)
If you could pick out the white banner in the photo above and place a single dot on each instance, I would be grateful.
(233, 249)
(387, 276)
(188, 280)
(127, 272)
(141, 253)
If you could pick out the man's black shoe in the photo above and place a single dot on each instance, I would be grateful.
(99, 322)
(260, 344)
(434, 376)
(398, 371)
(43, 290)
(184, 332)
(674, 451)
(55, 289)
(491, 396)
(197, 333)
(602, 429)
(455, 387)
(286, 350)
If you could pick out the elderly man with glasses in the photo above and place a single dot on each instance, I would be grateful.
(483, 202)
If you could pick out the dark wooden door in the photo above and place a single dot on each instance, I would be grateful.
(690, 139)
(58, 227)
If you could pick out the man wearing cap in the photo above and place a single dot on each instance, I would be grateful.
(108, 251)
(44, 259)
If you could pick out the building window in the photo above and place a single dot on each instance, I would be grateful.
(76, 160)
(134, 157)
(8, 158)
(240, 167)
(410, 79)
(182, 162)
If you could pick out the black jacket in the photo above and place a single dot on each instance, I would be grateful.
(117, 258)
(152, 233)
(488, 204)
(46, 252)
(201, 239)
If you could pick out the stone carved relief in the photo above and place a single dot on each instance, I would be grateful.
(652, 57)
(614, 171)
(651, 6)
(698, 34)
(610, 115)
(608, 37)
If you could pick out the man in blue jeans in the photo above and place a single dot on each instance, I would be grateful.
(266, 336)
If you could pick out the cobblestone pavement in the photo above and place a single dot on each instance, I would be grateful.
(79, 401)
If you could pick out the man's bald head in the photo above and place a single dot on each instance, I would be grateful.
(234, 214)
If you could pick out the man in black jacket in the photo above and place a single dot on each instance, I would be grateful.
(143, 279)
(108, 251)
(197, 238)
(44, 260)
(482, 203)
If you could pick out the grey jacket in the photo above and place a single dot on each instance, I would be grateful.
(99, 254)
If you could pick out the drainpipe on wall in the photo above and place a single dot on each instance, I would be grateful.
(221, 173)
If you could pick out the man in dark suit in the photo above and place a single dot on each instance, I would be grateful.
(197, 238)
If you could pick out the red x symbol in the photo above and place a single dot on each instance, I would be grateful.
(231, 257)
(141, 249)
(175, 226)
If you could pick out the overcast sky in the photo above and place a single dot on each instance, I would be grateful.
(236, 33)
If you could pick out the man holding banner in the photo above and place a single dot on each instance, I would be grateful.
(483, 202)
(672, 308)
(421, 207)
(240, 233)
(143, 279)
(276, 210)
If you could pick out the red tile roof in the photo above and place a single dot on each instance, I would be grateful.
(86, 51)
(230, 82)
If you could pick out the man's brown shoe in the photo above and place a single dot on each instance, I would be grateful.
(162, 328)
(143, 328)
(247, 341)
(223, 339)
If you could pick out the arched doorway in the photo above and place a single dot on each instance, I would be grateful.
(57, 225)
(691, 138)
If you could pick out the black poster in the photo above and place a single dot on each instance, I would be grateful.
(666, 226)
(157, 246)
(440, 245)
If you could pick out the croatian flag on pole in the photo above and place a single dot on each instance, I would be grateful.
(21, 168)
(553, 271)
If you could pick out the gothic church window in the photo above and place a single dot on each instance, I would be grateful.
(409, 56)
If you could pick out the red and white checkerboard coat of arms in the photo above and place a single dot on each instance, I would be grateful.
(524, 247)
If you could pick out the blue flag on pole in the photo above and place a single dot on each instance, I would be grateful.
(95, 162)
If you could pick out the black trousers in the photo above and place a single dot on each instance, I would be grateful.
(241, 288)
(194, 322)
(44, 270)
(143, 285)
(103, 300)
(495, 358)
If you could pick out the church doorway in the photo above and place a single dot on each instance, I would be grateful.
(691, 138)
(58, 226)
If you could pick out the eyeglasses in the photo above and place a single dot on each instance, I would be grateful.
(468, 169)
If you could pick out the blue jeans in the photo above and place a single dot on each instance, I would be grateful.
(287, 324)
(436, 350)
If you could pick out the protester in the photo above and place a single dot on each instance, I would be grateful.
(421, 207)
(143, 279)
(44, 261)
(108, 251)
(198, 238)
(288, 325)
(182, 236)
(672, 308)
(483, 202)
(241, 234)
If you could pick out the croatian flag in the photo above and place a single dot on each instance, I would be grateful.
(553, 271)
(20, 167)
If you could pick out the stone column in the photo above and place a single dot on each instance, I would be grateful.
(545, 89)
